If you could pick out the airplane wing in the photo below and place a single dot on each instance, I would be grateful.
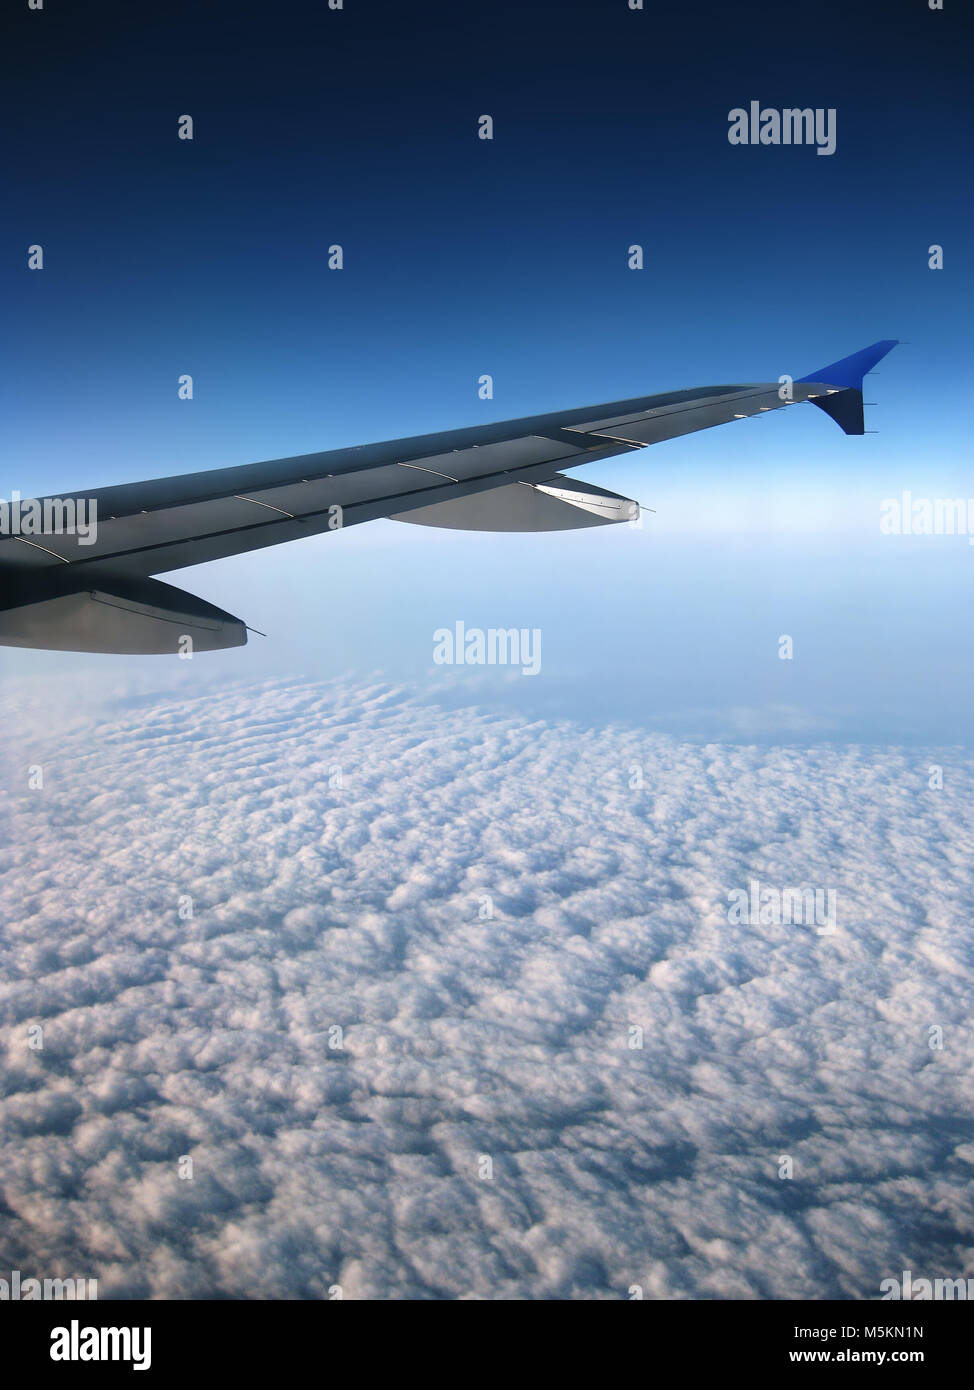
(91, 588)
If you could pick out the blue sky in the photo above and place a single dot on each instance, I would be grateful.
(509, 257)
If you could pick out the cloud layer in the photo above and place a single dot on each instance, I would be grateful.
(493, 912)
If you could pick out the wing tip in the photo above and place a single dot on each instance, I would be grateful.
(848, 372)
(845, 377)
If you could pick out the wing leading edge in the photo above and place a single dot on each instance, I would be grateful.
(503, 476)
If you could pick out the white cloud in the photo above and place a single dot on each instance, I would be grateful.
(465, 1035)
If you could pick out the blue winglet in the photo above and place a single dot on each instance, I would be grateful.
(844, 404)
(849, 371)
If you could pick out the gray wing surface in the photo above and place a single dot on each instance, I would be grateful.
(164, 524)
(447, 479)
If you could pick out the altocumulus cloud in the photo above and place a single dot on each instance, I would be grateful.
(488, 910)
